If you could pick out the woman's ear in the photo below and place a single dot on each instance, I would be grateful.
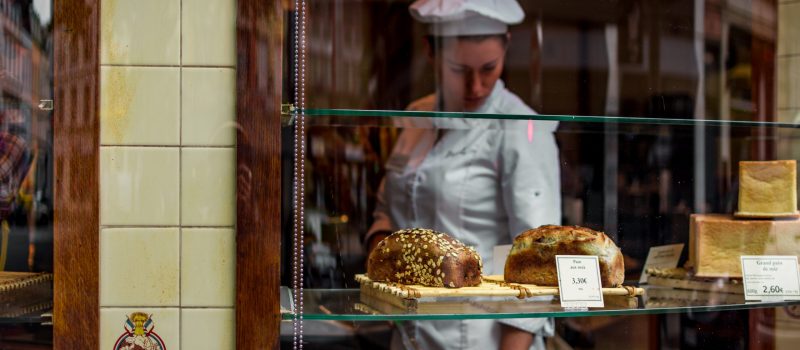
(508, 40)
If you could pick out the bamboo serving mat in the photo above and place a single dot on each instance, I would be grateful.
(533, 290)
(25, 293)
(680, 278)
(10, 281)
(491, 286)
(669, 297)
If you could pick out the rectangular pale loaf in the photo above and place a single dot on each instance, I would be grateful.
(717, 241)
(767, 188)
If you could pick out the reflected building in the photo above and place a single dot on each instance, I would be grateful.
(26, 81)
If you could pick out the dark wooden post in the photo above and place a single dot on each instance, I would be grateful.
(76, 145)
(258, 233)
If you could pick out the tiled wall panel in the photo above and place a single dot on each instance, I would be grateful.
(167, 178)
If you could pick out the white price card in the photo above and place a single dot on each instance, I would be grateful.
(770, 277)
(579, 284)
(665, 257)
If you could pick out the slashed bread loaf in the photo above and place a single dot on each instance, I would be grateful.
(532, 259)
(425, 257)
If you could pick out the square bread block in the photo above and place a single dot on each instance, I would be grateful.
(767, 188)
(717, 241)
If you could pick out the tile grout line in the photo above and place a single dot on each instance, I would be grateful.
(164, 226)
(169, 307)
(168, 146)
(99, 189)
(180, 173)
(123, 65)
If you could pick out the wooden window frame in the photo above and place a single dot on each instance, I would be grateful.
(76, 69)
(259, 37)
(76, 146)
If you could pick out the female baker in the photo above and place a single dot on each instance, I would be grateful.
(484, 181)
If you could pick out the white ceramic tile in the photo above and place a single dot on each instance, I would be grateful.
(208, 329)
(209, 107)
(208, 267)
(208, 187)
(139, 267)
(788, 82)
(139, 106)
(789, 29)
(165, 326)
(139, 186)
(140, 32)
(209, 32)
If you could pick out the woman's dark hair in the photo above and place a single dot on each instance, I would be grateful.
(437, 42)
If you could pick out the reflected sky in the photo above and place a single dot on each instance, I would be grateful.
(43, 8)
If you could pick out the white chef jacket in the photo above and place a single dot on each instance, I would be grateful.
(485, 182)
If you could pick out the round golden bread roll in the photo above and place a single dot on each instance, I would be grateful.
(532, 259)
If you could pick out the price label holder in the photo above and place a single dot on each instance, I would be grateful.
(579, 285)
(665, 256)
(770, 277)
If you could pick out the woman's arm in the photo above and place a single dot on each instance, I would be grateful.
(512, 338)
(382, 225)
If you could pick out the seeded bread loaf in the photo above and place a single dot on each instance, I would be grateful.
(532, 259)
(424, 257)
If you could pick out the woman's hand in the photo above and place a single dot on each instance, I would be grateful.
(512, 338)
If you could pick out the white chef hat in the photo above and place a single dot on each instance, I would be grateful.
(467, 17)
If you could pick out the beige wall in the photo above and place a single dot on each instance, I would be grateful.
(167, 160)
(788, 61)
(787, 323)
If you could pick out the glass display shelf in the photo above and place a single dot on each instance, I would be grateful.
(350, 305)
(379, 117)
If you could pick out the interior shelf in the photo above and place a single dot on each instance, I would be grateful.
(379, 117)
(349, 305)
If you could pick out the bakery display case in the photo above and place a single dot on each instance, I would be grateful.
(590, 129)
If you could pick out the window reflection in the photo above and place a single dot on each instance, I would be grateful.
(25, 136)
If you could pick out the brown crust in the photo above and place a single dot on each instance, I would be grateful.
(424, 257)
(532, 257)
